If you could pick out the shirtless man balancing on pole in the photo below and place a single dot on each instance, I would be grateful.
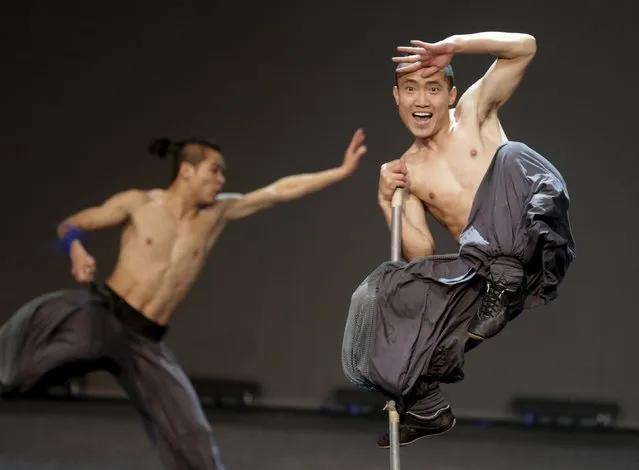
(453, 147)
(120, 326)
(411, 322)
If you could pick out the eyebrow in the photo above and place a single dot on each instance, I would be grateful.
(412, 81)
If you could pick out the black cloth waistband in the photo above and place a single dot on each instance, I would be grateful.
(128, 315)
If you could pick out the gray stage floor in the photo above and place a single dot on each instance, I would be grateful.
(68, 436)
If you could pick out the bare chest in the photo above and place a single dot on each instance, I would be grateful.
(158, 236)
(447, 181)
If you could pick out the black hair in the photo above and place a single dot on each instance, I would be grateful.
(187, 150)
(449, 74)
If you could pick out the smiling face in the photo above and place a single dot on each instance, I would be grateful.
(423, 102)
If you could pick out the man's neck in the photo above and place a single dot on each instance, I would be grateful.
(436, 141)
(180, 202)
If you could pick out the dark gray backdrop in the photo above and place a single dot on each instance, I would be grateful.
(282, 86)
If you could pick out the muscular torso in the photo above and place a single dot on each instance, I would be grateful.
(446, 179)
(161, 256)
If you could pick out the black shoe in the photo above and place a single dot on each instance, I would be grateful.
(493, 312)
(413, 427)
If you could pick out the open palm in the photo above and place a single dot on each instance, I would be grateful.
(355, 151)
(430, 58)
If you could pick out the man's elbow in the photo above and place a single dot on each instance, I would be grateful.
(528, 45)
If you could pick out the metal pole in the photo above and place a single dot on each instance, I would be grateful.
(396, 225)
(393, 425)
(396, 254)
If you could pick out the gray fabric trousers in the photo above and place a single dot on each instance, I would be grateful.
(68, 333)
(425, 397)
(407, 325)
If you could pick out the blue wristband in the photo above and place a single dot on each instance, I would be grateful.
(69, 237)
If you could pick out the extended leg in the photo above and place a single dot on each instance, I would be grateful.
(162, 391)
(58, 338)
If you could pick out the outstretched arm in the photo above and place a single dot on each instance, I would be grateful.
(294, 187)
(114, 211)
(514, 53)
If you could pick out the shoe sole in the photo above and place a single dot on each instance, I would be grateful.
(404, 444)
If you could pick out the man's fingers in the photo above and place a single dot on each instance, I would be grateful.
(395, 167)
(410, 67)
(359, 135)
(361, 151)
(82, 278)
(398, 181)
(407, 59)
(356, 140)
(392, 175)
(391, 165)
(401, 179)
(412, 50)
(428, 71)
(422, 44)
(389, 186)
(396, 184)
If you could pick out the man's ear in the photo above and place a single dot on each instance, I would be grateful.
(186, 171)
(396, 95)
(452, 96)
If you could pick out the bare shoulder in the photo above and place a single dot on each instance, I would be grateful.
(467, 126)
(410, 155)
(136, 199)
(129, 198)
(414, 158)
(152, 194)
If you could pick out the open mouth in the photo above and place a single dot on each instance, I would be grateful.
(422, 118)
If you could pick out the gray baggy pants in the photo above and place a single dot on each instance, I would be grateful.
(407, 326)
(67, 333)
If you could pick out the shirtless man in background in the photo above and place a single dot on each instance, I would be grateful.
(453, 146)
(119, 326)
